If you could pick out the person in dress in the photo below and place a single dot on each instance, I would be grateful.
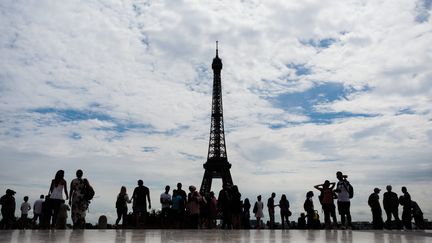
(258, 210)
(77, 200)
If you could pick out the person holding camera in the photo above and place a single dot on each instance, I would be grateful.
(344, 193)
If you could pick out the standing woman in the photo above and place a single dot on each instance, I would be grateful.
(258, 210)
(58, 185)
(121, 205)
(284, 210)
(77, 201)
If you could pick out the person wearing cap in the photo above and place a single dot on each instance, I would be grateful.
(194, 201)
(375, 206)
(391, 207)
(8, 209)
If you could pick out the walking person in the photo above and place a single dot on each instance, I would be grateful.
(326, 200)
(140, 196)
(271, 206)
(57, 187)
(258, 211)
(405, 201)
(344, 193)
(391, 207)
(77, 200)
(121, 206)
(37, 209)
(8, 204)
(375, 206)
(308, 206)
(284, 211)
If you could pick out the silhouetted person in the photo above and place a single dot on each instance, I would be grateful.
(391, 207)
(182, 204)
(46, 213)
(121, 205)
(213, 210)
(224, 205)
(166, 200)
(271, 209)
(8, 209)
(375, 206)
(343, 193)
(308, 206)
(284, 210)
(418, 215)
(37, 209)
(246, 213)
(79, 204)
(326, 199)
(25, 208)
(405, 201)
(236, 207)
(258, 211)
(301, 221)
(140, 196)
(194, 200)
(58, 185)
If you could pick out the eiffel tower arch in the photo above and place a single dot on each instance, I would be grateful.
(217, 165)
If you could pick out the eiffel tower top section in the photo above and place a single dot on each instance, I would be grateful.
(217, 149)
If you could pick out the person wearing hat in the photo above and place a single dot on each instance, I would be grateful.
(8, 209)
(194, 200)
(375, 206)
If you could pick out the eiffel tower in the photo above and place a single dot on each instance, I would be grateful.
(217, 165)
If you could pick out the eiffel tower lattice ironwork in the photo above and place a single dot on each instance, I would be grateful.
(217, 165)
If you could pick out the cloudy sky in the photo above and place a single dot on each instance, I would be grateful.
(122, 90)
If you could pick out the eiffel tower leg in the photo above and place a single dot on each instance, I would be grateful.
(226, 178)
(206, 183)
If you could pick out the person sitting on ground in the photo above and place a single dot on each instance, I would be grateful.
(301, 221)
(418, 215)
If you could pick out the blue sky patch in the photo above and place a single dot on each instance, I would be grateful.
(75, 136)
(300, 69)
(320, 43)
(304, 102)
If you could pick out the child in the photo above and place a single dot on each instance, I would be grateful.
(25, 208)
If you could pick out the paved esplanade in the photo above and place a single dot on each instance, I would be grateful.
(225, 236)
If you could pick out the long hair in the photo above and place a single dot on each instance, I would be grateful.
(59, 176)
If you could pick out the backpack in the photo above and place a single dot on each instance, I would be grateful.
(255, 208)
(88, 192)
(350, 190)
(120, 201)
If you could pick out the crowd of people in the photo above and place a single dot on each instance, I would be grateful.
(193, 210)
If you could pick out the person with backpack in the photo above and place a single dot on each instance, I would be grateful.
(80, 194)
(344, 192)
(326, 199)
(121, 205)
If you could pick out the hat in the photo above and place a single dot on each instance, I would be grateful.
(193, 188)
(376, 189)
(9, 191)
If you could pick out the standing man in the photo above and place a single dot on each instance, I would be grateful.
(375, 206)
(37, 209)
(140, 195)
(8, 209)
(405, 201)
(182, 204)
(224, 204)
(165, 200)
(271, 211)
(343, 190)
(391, 207)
